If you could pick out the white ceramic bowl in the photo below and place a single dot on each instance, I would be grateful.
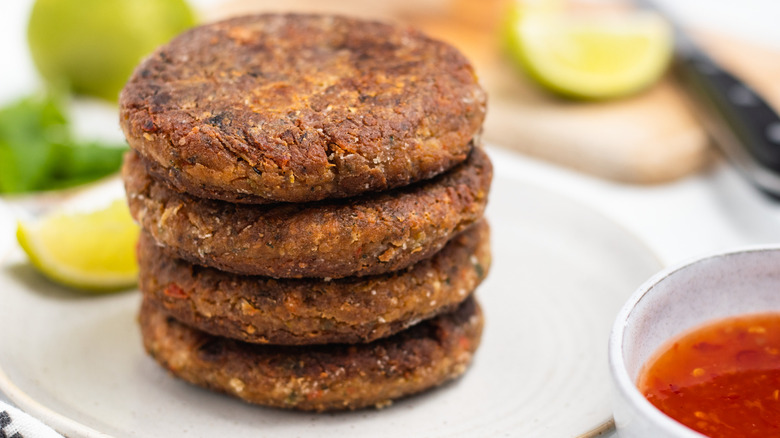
(676, 300)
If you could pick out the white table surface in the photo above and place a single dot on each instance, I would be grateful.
(709, 211)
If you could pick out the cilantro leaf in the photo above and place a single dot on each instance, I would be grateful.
(37, 152)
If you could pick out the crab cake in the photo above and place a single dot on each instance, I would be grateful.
(321, 377)
(313, 311)
(299, 108)
(368, 235)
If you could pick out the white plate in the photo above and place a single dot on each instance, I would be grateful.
(7, 228)
(560, 274)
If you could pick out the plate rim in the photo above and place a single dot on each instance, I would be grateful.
(60, 423)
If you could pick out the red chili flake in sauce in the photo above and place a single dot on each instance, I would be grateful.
(722, 379)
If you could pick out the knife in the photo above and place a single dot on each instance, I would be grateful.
(744, 126)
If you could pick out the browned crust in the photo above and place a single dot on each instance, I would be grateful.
(312, 311)
(369, 235)
(318, 378)
(301, 107)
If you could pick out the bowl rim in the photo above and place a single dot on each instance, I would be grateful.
(617, 366)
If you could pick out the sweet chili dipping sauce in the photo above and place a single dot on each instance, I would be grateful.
(722, 380)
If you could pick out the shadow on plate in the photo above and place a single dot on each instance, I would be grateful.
(33, 281)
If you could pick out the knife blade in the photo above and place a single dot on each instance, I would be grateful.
(741, 123)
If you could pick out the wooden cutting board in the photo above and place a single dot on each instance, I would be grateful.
(651, 137)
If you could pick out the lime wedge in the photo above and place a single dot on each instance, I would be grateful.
(93, 251)
(591, 57)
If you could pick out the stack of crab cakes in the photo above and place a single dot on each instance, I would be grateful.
(311, 191)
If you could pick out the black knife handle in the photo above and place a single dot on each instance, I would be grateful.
(754, 123)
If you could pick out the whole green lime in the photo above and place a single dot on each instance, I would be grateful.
(91, 46)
